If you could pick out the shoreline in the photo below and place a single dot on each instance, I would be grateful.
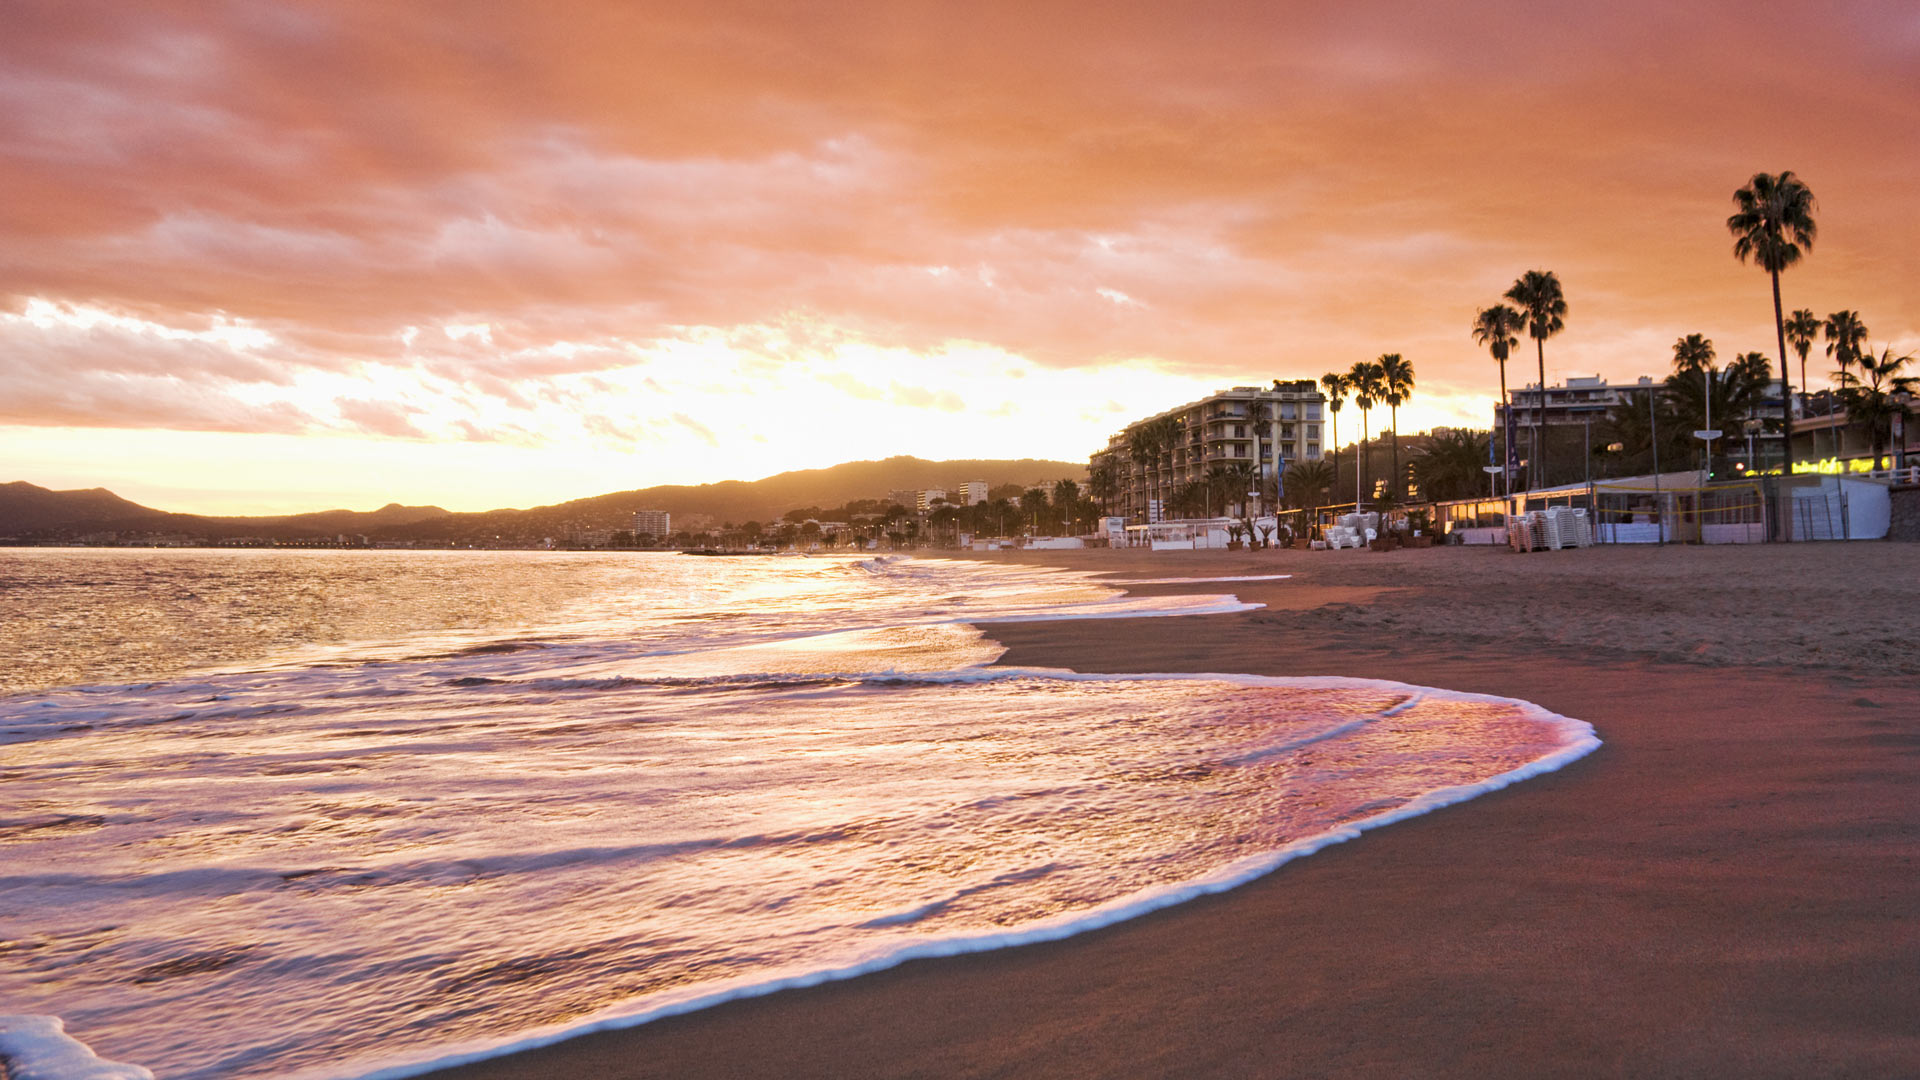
(1726, 888)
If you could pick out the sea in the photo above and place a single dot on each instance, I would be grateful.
(357, 814)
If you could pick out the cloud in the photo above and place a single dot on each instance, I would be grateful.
(1226, 192)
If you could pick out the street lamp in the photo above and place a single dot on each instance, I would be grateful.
(1900, 398)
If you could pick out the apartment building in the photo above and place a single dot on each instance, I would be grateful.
(655, 523)
(1266, 429)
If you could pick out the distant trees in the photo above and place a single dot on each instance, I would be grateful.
(1869, 395)
(1450, 468)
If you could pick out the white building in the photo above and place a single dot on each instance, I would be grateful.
(971, 493)
(925, 502)
(655, 523)
(1264, 429)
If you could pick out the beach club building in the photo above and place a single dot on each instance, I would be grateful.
(1265, 428)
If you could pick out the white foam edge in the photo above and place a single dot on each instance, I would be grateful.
(39, 1048)
(1582, 741)
(1190, 580)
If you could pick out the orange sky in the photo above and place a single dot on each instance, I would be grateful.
(263, 258)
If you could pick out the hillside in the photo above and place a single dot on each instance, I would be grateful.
(28, 507)
(31, 512)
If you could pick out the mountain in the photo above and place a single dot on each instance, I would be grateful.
(31, 512)
(26, 508)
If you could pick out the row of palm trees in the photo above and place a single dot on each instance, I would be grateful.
(1867, 385)
(1772, 226)
(1388, 381)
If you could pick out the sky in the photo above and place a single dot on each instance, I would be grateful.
(266, 258)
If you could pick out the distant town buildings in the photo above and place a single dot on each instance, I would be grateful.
(1573, 402)
(655, 523)
(926, 499)
(1265, 429)
(1583, 398)
(971, 493)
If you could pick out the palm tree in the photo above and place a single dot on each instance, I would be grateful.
(1311, 483)
(1336, 386)
(1771, 223)
(1802, 327)
(1151, 442)
(1545, 307)
(1103, 480)
(1450, 467)
(1397, 382)
(1367, 380)
(1032, 502)
(1260, 426)
(1066, 501)
(1845, 334)
(1496, 329)
(1692, 354)
(1869, 395)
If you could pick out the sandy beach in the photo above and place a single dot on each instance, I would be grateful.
(1727, 888)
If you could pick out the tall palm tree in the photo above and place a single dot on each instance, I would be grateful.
(1397, 384)
(1772, 222)
(1845, 335)
(1497, 330)
(1540, 298)
(1336, 386)
(1367, 380)
(1803, 326)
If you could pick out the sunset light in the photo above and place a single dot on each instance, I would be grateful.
(588, 247)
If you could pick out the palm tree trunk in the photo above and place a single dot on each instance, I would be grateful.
(1506, 480)
(1360, 462)
(1540, 420)
(1786, 414)
(1395, 410)
(1333, 447)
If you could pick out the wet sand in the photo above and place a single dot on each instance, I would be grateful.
(1727, 888)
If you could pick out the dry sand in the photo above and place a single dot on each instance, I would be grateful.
(1727, 888)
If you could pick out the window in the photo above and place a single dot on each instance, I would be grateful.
(1313, 410)
(1239, 449)
(1286, 410)
(1239, 431)
(1313, 431)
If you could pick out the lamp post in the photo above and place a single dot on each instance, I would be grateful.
(1900, 398)
(1707, 434)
